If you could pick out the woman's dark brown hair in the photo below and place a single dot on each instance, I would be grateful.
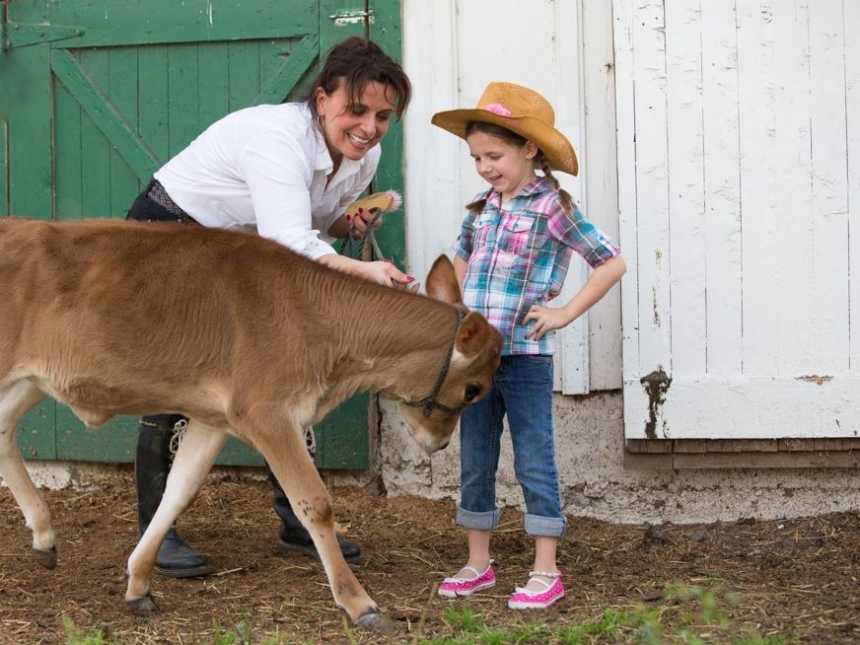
(516, 140)
(357, 61)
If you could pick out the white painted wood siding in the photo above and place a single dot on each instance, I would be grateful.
(451, 50)
(739, 184)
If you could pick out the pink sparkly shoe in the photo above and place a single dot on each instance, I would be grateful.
(459, 587)
(523, 598)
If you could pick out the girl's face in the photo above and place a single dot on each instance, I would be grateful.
(505, 166)
(351, 130)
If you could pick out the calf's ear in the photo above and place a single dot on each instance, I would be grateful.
(442, 282)
(473, 334)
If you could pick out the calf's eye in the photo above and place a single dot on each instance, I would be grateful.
(472, 391)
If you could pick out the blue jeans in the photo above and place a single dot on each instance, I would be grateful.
(522, 389)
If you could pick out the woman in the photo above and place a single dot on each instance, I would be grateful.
(288, 172)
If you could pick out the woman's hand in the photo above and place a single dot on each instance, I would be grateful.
(354, 226)
(362, 221)
(385, 273)
(381, 272)
(545, 320)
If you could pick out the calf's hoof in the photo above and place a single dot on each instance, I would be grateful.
(375, 620)
(144, 606)
(47, 559)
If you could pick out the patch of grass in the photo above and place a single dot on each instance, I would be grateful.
(74, 635)
(242, 634)
(687, 614)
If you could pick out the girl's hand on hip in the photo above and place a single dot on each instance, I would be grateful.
(545, 320)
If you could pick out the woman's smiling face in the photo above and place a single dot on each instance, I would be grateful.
(351, 130)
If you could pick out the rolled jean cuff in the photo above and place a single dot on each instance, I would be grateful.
(537, 525)
(485, 521)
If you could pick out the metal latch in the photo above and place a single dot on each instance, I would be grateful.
(342, 18)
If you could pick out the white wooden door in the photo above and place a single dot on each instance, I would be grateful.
(739, 190)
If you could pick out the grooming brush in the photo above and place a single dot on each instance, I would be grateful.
(370, 208)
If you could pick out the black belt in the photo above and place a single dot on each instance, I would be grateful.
(155, 191)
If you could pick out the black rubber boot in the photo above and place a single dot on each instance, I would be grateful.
(293, 537)
(175, 558)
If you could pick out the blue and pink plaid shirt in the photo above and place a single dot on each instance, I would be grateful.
(518, 256)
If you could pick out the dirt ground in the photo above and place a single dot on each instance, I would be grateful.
(797, 578)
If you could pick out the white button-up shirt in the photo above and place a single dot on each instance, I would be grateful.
(265, 168)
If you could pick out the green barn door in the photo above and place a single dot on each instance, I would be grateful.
(95, 95)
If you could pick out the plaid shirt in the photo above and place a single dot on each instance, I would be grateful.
(518, 257)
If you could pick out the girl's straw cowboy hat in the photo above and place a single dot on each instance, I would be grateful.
(521, 110)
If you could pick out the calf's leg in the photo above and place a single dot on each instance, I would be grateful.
(15, 400)
(292, 466)
(197, 451)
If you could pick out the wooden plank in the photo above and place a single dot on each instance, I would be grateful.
(765, 460)
(385, 30)
(828, 271)
(793, 228)
(756, 60)
(851, 58)
(153, 101)
(600, 176)
(184, 96)
(565, 67)
(278, 83)
(433, 202)
(4, 166)
(686, 112)
(36, 432)
(723, 227)
(95, 144)
(29, 138)
(632, 461)
(702, 408)
(115, 442)
(125, 183)
(747, 446)
(69, 155)
(244, 74)
(122, 24)
(213, 83)
(83, 86)
(636, 404)
(652, 185)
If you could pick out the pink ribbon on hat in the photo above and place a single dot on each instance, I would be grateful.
(497, 108)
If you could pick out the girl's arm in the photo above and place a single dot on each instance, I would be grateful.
(602, 279)
(460, 270)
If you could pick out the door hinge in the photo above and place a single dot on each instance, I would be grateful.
(16, 34)
(357, 17)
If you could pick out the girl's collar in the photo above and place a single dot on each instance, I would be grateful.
(537, 185)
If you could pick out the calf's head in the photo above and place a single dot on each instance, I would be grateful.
(467, 377)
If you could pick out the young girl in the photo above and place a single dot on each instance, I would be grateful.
(512, 258)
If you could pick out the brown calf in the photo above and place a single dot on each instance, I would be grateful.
(239, 334)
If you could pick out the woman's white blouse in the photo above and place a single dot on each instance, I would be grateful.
(265, 168)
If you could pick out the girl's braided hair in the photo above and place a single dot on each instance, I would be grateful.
(514, 139)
